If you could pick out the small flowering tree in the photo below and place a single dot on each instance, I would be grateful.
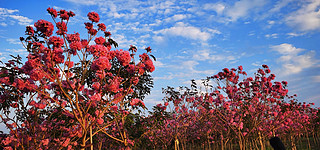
(70, 94)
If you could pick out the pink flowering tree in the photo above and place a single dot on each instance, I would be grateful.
(230, 108)
(70, 94)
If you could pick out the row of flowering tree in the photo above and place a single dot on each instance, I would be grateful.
(76, 93)
(232, 111)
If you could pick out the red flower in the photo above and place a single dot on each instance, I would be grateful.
(285, 83)
(45, 27)
(92, 32)
(62, 28)
(29, 30)
(102, 26)
(135, 80)
(265, 66)
(73, 37)
(14, 105)
(268, 71)
(99, 40)
(240, 68)
(107, 33)
(56, 41)
(144, 57)
(93, 16)
(131, 68)
(84, 43)
(88, 25)
(148, 49)
(64, 15)
(52, 12)
(71, 14)
(74, 46)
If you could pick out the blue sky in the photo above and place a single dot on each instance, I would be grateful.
(194, 39)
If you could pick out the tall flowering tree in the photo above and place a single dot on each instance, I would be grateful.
(70, 94)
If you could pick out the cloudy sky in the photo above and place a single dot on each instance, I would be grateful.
(194, 39)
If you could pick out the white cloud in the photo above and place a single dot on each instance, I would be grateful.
(242, 8)
(217, 7)
(158, 63)
(280, 4)
(316, 78)
(3, 24)
(13, 41)
(205, 55)
(6, 14)
(286, 49)
(292, 61)
(292, 34)
(176, 17)
(307, 18)
(84, 2)
(22, 20)
(18, 51)
(274, 35)
(191, 32)
(5, 11)
(158, 39)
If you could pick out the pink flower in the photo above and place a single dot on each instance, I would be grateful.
(101, 63)
(114, 108)
(135, 80)
(136, 102)
(98, 50)
(100, 121)
(113, 85)
(123, 57)
(93, 16)
(45, 142)
(69, 64)
(149, 65)
(74, 46)
(36, 74)
(66, 142)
